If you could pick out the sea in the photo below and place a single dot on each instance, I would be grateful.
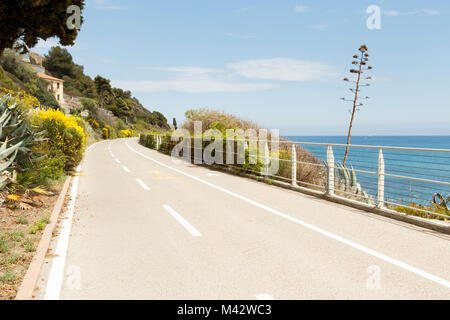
(430, 171)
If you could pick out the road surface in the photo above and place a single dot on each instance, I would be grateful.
(144, 227)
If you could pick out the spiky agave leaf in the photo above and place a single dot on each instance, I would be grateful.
(17, 137)
(354, 181)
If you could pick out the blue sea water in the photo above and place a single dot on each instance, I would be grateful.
(418, 164)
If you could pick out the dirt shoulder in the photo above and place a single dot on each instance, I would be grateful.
(21, 229)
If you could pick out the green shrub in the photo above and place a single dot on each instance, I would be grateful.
(8, 277)
(66, 135)
(415, 209)
(5, 81)
(51, 169)
(16, 236)
(5, 244)
(28, 245)
(89, 104)
(13, 258)
(44, 173)
(33, 229)
(22, 220)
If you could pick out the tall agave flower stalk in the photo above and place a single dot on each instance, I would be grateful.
(360, 62)
(17, 137)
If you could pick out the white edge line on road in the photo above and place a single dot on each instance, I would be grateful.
(143, 185)
(126, 169)
(325, 233)
(194, 232)
(56, 276)
(264, 296)
(94, 144)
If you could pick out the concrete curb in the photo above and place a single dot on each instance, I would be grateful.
(31, 277)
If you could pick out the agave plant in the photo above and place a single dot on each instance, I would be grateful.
(348, 182)
(17, 137)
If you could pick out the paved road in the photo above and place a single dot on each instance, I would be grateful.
(147, 228)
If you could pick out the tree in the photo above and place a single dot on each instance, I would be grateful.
(121, 109)
(103, 88)
(174, 122)
(156, 118)
(59, 63)
(24, 22)
(360, 61)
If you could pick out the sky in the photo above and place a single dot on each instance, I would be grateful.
(277, 63)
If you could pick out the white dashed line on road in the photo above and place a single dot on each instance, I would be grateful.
(142, 184)
(117, 160)
(194, 232)
(126, 169)
(330, 235)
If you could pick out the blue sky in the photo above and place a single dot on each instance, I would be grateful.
(278, 63)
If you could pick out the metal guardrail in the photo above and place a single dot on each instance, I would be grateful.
(389, 177)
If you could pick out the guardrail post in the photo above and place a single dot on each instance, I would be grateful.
(266, 158)
(381, 169)
(330, 171)
(294, 166)
(157, 143)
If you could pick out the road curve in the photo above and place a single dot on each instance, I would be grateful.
(144, 227)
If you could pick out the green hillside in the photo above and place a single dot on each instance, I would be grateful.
(113, 108)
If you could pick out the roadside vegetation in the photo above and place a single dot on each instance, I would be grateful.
(310, 171)
(42, 142)
(422, 211)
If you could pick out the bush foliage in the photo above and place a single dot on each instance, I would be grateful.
(65, 134)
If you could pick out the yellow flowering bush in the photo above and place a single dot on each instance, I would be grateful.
(65, 135)
(94, 124)
(126, 133)
(27, 100)
(106, 132)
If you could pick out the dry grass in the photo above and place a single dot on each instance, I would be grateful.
(215, 119)
(310, 171)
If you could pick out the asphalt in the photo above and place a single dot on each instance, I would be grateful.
(163, 230)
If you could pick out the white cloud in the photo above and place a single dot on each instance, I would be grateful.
(301, 9)
(191, 79)
(105, 4)
(243, 10)
(183, 69)
(395, 13)
(105, 60)
(284, 69)
(320, 26)
(391, 13)
(430, 11)
(192, 86)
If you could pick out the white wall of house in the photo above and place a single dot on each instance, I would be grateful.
(57, 88)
